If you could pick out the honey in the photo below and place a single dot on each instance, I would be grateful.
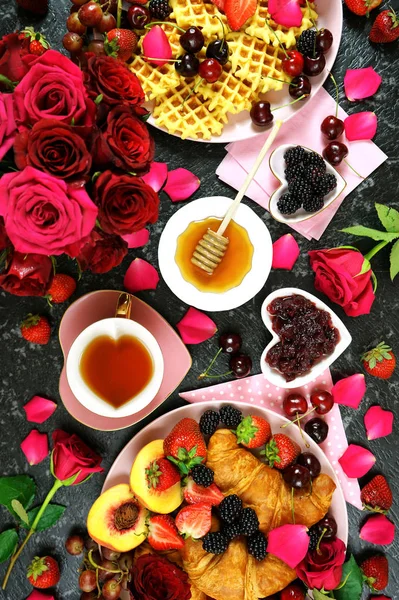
(230, 272)
(116, 370)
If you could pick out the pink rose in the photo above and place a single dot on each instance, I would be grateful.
(338, 276)
(71, 456)
(43, 215)
(323, 569)
(7, 124)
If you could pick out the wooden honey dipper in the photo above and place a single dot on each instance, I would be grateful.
(211, 248)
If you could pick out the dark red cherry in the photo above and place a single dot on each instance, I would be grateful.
(314, 65)
(192, 40)
(300, 86)
(293, 63)
(311, 462)
(324, 40)
(210, 70)
(187, 65)
(332, 127)
(317, 429)
(330, 524)
(297, 476)
(293, 592)
(295, 404)
(335, 152)
(241, 365)
(218, 49)
(230, 342)
(261, 114)
(138, 16)
(322, 401)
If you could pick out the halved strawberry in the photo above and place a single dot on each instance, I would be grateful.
(194, 493)
(195, 520)
(219, 4)
(163, 534)
(238, 12)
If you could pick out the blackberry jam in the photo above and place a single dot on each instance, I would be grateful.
(306, 335)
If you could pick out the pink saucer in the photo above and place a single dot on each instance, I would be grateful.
(100, 305)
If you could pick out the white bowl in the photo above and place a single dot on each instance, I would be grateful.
(274, 376)
(253, 282)
(277, 167)
(115, 328)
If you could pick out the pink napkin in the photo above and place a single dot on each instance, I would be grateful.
(259, 391)
(303, 129)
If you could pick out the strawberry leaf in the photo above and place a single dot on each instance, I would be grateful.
(8, 543)
(374, 234)
(394, 259)
(351, 581)
(388, 216)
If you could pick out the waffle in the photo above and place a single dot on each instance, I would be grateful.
(197, 13)
(155, 81)
(228, 92)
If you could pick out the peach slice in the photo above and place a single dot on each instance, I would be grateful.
(117, 520)
(160, 502)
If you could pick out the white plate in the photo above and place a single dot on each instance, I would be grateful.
(253, 282)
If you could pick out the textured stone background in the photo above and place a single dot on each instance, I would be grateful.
(26, 370)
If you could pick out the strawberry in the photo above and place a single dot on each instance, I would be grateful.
(376, 572)
(161, 474)
(62, 287)
(362, 7)
(385, 28)
(163, 534)
(195, 520)
(377, 495)
(185, 446)
(43, 572)
(238, 12)
(36, 329)
(37, 42)
(37, 7)
(281, 451)
(121, 43)
(380, 361)
(253, 432)
(194, 493)
(219, 4)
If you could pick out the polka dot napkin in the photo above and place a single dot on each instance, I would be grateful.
(259, 391)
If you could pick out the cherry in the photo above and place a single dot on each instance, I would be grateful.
(230, 342)
(74, 545)
(314, 65)
(297, 476)
(293, 592)
(311, 462)
(78, 2)
(87, 581)
(293, 63)
(90, 544)
(89, 595)
(210, 70)
(317, 429)
(104, 574)
(322, 401)
(74, 25)
(187, 65)
(192, 40)
(107, 23)
(330, 524)
(324, 40)
(261, 114)
(300, 86)
(241, 365)
(111, 6)
(218, 49)
(96, 47)
(90, 14)
(72, 42)
(110, 554)
(111, 590)
(332, 127)
(335, 152)
(138, 16)
(295, 404)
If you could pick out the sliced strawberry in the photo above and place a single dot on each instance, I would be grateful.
(163, 534)
(219, 4)
(195, 520)
(194, 493)
(238, 12)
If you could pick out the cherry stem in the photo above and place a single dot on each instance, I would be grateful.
(289, 103)
(119, 14)
(353, 169)
(96, 566)
(149, 25)
(280, 80)
(319, 540)
(221, 22)
(336, 92)
(216, 376)
(173, 60)
(299, 418)
(192, 91)
(292, 505)
(278, 39)
(205, 373)
(310, 16)
(298, 422)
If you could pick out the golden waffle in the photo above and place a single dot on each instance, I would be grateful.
(155, 81)
(229, 93)
(197, 13)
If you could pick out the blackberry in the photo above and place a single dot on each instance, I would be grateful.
(325, 184)
(300, 190)
(294, 156)
(294, 171)
(314, 538)
(312, 174)
(230, 508)
(232, 531)
(209, 422)
(159, 9)
(230, 416)
(313, 204)
(306, 43)
(215, 542)
(249, 521)
(257, 545)
(202, 475)
(312, 159)
(287, 205)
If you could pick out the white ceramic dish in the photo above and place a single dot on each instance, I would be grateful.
(252, 283)
(272, 374)
(277, 167)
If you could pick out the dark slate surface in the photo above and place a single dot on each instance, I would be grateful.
(26, 370)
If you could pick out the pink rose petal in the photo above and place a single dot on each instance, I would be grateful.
(361, 83)
(196, 327)
(378, 530)
(156, 176)
(350, 390)
(290, 543)
(181, 184)
(285, 252)
(35, 447)
(39, 409)
(36, 595)
(140, 276)
(356, 461)
(286, 12)
(138, 239)
(156, 46)
(378, 422)
(361, 126)
(380, 598)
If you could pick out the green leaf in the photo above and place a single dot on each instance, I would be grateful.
(20, 511)
(8, 543)
(99, 99)
(49, 518)
(318, 595)
(394, 258)
(352, 590)
(19, 487)
(389, 217)
(374, 234)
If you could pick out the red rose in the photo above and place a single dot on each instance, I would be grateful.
(113, 81)
(27, 274)
(124, 143)
(4, 241)
(12, 49)
(55, 148)
(338, 276)
(125, 204)
(155, 578)
(71, 456)
(323, 569)
(102, 252)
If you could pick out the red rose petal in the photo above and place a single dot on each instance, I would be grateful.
(138, 239)
(181, 184)
(361, 83)
(356, 461)
(39, 409)
(35, 447)
(140, 276)
(285, 252)
(378, 422)
(196, 327)
(36, 595)
(378, 529)
(350, 390)
(156, 176)
(361, 126)
(286, 12)
(290, 543)
(156, 46)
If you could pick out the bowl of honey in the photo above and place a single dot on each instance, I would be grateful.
(115, 367)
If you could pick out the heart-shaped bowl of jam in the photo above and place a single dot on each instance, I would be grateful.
(307, 337)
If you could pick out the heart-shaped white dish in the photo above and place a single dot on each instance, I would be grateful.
(277, 167)
(273, 375)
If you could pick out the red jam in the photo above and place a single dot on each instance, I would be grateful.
(306, 335)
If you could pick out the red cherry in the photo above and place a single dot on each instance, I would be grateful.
(322, 401)
(210, 70)
(90, 14)
(293, 63)
(107, 23)
(332, 127)
(335, 152)
(74, 25)
(293, 592)
(72, 42)
(295, 404)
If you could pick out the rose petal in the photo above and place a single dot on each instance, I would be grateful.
(181, 184)
(286, 12)
(39, 409)
(285, 252)
(356, 461)
(361, 83)
(196, 327)
(140, 276)
(380, 598)
(350, 390)
(35, 447)
(36, 595)
(361, 126)
(378, 530)
(156, 46)
(378, 422)
(138, 239)
(156, 176)
(290, 543)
